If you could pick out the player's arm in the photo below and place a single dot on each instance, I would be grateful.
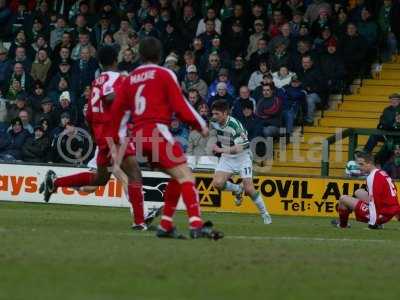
(181, 107)
(229, 150)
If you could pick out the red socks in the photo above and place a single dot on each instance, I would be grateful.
(80, 179)
(171, 198)
(343, 216)
(135, 196)
(191, 200)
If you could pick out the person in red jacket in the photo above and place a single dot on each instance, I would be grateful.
(376, 206)
(151, 96)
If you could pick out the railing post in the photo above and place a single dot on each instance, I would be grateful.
(353, 141)
(325, 158)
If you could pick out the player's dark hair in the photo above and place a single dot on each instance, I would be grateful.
(220, 105)
(150, 50)
(368, 157)
(107, 56)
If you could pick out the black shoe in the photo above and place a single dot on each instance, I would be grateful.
(171, 234)
(152, 214)
(47, 186)
(335, 223)
(140, 227)
(206, 231)
(376, 226)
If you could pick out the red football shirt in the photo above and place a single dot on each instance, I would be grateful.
(99, 114)
(383, 195)
(152, 95)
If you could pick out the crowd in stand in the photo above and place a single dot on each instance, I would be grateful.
(276, 62)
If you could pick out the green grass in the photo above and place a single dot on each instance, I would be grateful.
(74, 252)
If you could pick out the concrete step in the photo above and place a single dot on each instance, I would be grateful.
(366, 98)
(376, 107)
(381, 82)
(382, 91)
(391, 66)
(352, 114)
(390, 74)
(348, 123)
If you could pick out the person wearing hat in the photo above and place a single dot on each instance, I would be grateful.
(67, 106)
(387, 121)
(321, 23)
(12, 141)
(223, 77)
(36, 147)
(193, 81)
(148, 29)
(235, 39)
(259, 33)
(332, 67)
(48, 112)
(171, 62)
(21, 103)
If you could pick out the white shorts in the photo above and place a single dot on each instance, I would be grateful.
(240, 163)
(92, 164)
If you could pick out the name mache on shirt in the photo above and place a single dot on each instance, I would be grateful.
(142, 76)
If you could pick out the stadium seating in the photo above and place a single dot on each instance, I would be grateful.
(360, 110)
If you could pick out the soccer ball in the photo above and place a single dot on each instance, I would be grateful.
(352, 169)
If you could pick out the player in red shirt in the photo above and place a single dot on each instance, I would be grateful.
(152, 95)
(99, 118)
(375, 207)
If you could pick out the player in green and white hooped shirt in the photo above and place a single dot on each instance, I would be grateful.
(235, 157)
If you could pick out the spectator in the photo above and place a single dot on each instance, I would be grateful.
(3, 114)
(198, 51)
(269, 112)
(354, 50)
(20, 41)
(36, 147)
(83, 70)
(128, 63)
(283, 77)
(283, 38)
(172, 39)
(323, 21)
(19, 105)
(277, 21)
(12, 141)
(80, 25)
(235, 40)
(84, 43)
(41, 66)
(212, 69)
(237, 107)
(22, 58)
(248, 119)
(208, 35)
(211, 16)
(193, 81)
(171, 62)
(180, 132)
(100, 29)
(253, 40)
(66, 105)
(197, 144)
(314, 9)
(133, 45)
(386, 122)
(195, 99)
(389, 39)
(122, 35)
(5, 67)
(295, 100)
(26, 118)
(314, 84)
(260, 55)
(222, 93)
(108, 40)
(392, 166)
(223, 76)
(40, 43)
(48, 113)
(296, 21)
(188, 24)
(368, 29)
(5, 20)
(303, 49)
(148, 29)
(240, 72)
(37, 96)
(62, 86)
(57, 33)
(333, 68)
(257, 76)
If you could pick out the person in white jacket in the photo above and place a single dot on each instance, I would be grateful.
(283, 77)
(257, 76)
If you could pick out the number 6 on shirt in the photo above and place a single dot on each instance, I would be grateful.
(140, 101)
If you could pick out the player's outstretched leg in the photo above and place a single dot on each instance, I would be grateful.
(257, 199)
(220, 182)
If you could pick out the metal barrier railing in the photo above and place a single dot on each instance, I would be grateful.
(352, 134)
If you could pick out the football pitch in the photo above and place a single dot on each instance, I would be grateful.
(76, 252)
